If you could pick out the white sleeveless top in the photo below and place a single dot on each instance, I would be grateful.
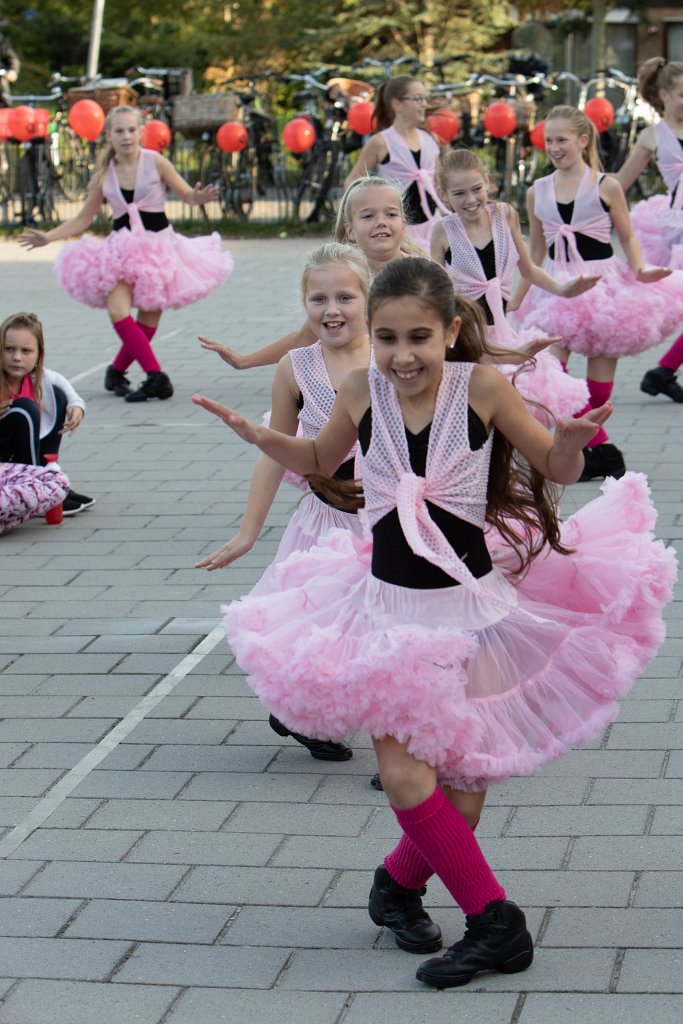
(670, 161)
(589, 217)
(402, 169)
(313, 380)
(149, 194)
(456, 477)
(468, 275)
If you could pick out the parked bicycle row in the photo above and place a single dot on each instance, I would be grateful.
(270, 165)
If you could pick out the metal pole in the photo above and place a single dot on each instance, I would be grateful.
(95, 36)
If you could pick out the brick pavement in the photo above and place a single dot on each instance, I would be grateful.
(200, 870)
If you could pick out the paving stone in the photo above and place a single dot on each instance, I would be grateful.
(220, 966)
(659, 889)
(625, 764)
(58, 730)
(15, 875)
(36, 707)
(578, 821)
(257, 1007)
(162, 731)
(638, 853)
(438, 1008)
(177, 815)
(61, 844)
(119, 707)
(79, 959)
(152, 922)
(95, 686)
(286, 887)
(26, 916)
(297, 819)
(241, 848)
(643, 736)
(223, 760)
(126, 626)
(70, 814)
(568, 1008)
(106, 881)
(148, 785)
(27, 782)
(651, 970)
(250, 786)
(11, 752)
(613, 927)
(46, 1002)
(66, 755)
(635, 791)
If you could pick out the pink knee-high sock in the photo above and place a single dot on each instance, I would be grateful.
(122, 359)
(599, 391)
(407, 866)
(673, 358)
(447, 843)
(136, 345)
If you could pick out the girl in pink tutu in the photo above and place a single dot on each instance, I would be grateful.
(480, 245)
(335, 285)
(461, 672)
(143, 263)
(658, 221)
(571, 216)
(404, 151)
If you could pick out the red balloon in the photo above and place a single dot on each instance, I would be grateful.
(155, 135)
(537, 135)
(232, 137)
(5, 132)
(360, 117)
(27, 123)
(500, 120)
(86, 117)
(298, 135)
(600, 111)
(444, 123)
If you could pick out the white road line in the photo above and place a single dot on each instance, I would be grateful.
(89, 373)
(58, 794)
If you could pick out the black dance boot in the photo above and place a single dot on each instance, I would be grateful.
(156, 385)
(662, 381)
(602, 461)
(322, 750)
(116, 381)
(401, 910)
(495, 940)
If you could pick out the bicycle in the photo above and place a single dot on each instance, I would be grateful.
(32, 178)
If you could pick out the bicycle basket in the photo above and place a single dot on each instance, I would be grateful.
(109, 92)
(204, 112)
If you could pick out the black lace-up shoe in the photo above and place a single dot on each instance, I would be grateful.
(662, 381)
(602, 461)
(116, 381)
(322, 750)
(155, 385)
(495, 940)
(401, 911)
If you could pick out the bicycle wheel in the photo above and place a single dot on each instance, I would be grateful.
(72, 165)
(212, 171)
(311, 197)
(243, 173)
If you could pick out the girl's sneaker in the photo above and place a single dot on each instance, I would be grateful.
(74, 503)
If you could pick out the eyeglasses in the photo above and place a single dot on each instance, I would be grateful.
(415, 99)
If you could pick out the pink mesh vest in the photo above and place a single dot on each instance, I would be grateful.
(670, 161)
(456, 477)
(316, 390)
(403, 170)
(149, 194)
(468, 274)
(588, 217)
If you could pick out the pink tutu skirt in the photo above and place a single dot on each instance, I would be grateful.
(164, 269)
(543, 381)
(27, 492)
(312, 520)
(619, 317)
(660, 231)
(479, 693)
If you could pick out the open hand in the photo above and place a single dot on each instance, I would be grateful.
(244, 428)
(573, 435)
(32, 239)
(228, 355)
(204, 194)
(652, 275)
(532, 348)
(230, 552)
(579, 285)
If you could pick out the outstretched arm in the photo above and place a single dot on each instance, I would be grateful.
(265, 356)
(614, 195)
(34, 239)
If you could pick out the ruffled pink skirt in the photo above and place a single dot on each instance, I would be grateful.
(164, 269)
(660, 231)
(544, 381)
(478, 693)
(27, 492)
(619, 317)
